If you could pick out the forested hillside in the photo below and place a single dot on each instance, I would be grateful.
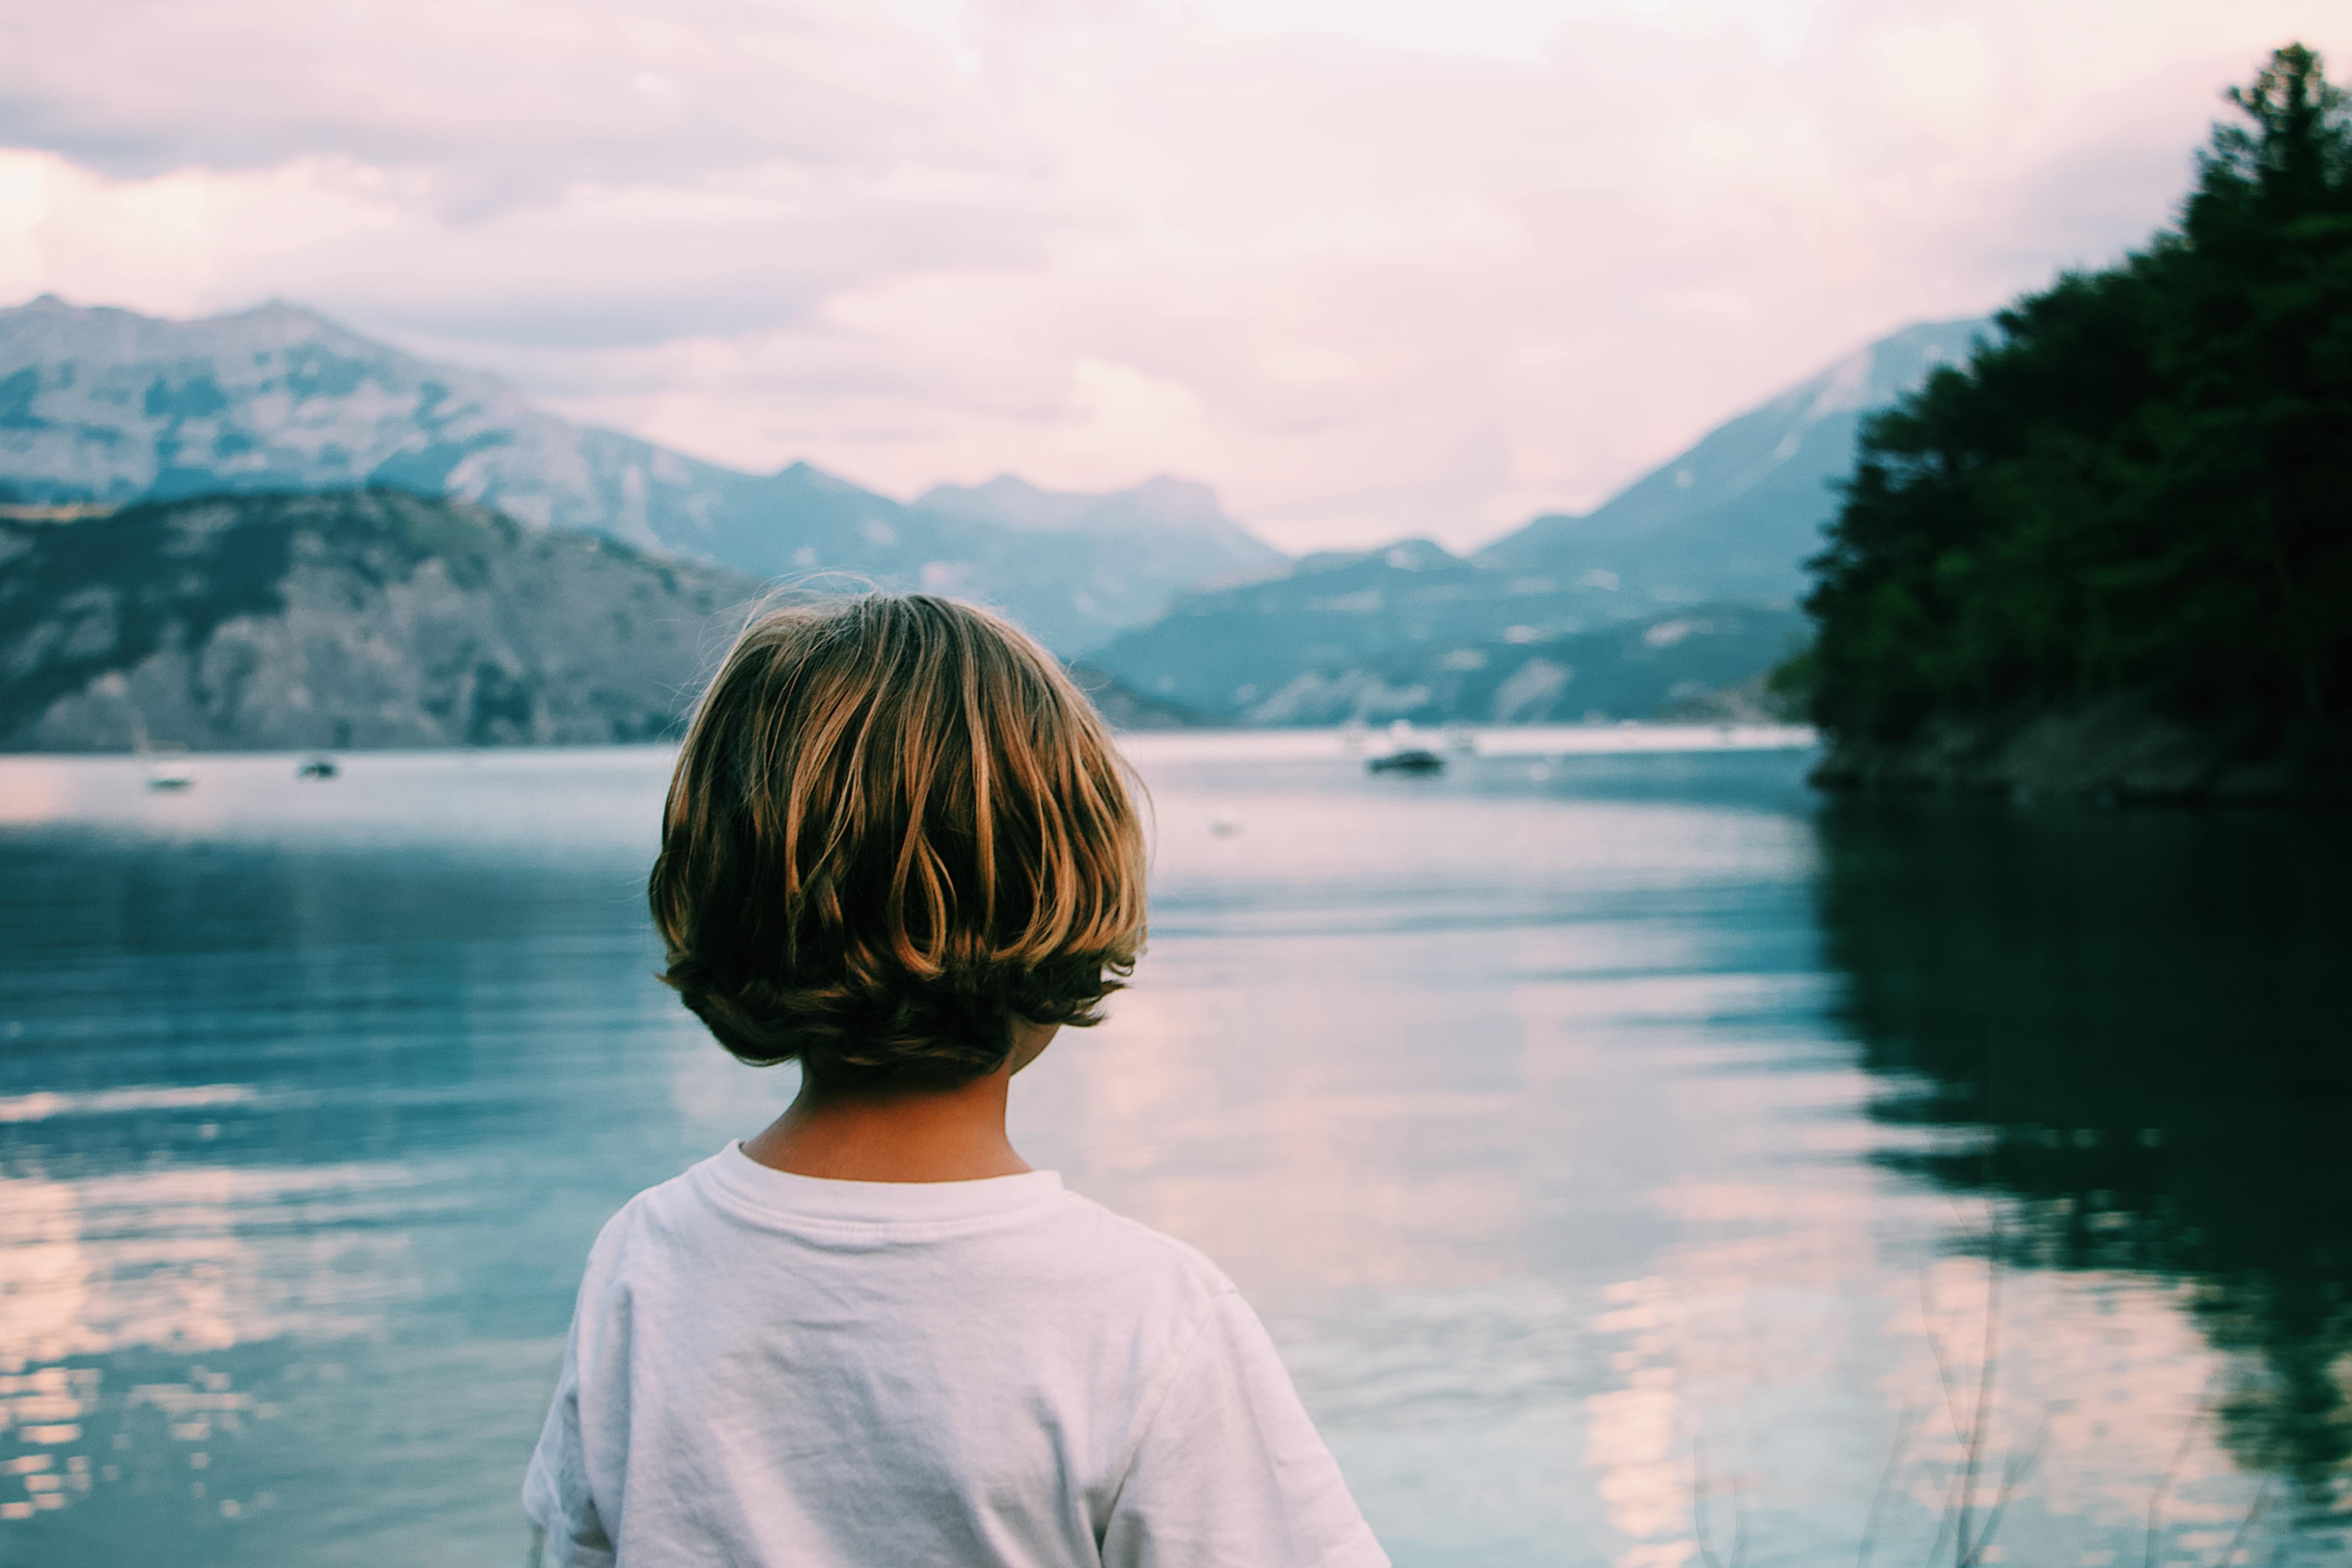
(2115, 552)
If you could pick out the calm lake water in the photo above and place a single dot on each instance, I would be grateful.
(1634, 1153)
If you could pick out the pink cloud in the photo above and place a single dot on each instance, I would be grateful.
(1366, 283)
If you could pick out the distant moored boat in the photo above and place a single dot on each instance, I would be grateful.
(167, 767)
(1412, 760)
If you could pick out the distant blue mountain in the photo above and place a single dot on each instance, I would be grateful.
(1737, 515)
(1228, 651)
(1411, 632)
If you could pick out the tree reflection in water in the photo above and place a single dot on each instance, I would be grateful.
(2138, 1022)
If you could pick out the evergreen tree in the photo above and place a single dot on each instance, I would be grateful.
(2143, 490)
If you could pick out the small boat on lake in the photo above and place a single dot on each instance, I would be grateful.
(167, 767)
(318, 768)
(1412, 760)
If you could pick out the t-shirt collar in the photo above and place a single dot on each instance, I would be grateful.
(825, 1201)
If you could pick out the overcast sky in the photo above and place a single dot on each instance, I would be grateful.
(1371, 267)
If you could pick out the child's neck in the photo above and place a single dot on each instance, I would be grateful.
(925, 1135)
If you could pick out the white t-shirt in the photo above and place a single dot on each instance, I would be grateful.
(770, 1370)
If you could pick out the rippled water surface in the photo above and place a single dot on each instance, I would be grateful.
(1637, 1159)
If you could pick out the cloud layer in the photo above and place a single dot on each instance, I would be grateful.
(1370, 270)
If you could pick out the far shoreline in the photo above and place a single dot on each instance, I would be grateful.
(1617, 737)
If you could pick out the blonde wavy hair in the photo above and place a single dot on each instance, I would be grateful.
(895, 827)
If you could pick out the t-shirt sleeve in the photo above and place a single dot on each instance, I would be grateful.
(1230, 1470)
(555, 1490)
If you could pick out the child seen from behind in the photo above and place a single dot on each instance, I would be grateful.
(899, 849)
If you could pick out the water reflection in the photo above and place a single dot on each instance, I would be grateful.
(2136, 1026)
(1594, 1140)
(291, 1085)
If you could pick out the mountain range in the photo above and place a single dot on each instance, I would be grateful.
(106, 406)
(1706, 551)
(1679, 586)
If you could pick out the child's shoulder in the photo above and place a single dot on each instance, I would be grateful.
(660, 1206)
(1087, 1271)
(1132, 1245)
